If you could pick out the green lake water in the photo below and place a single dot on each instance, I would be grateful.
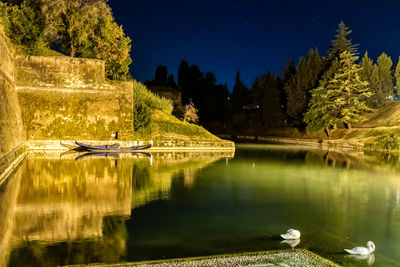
(57, 209)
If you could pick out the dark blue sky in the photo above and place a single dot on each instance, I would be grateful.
(255, 36)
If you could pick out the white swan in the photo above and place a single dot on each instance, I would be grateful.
(362, 250)
(291, 234)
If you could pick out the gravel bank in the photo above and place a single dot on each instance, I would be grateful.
(276, 258)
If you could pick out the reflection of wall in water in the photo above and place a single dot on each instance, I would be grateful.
(62, 207)
(66, 199)
(8, 199)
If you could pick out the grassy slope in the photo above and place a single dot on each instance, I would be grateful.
(380, 122)
(383, 121)
(167, 127)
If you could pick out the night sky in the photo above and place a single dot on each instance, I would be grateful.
(255, 36)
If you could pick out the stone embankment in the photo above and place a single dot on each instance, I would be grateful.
(332, 143)
(53, 145)
(290, 258)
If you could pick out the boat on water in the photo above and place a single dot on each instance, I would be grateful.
(114, 148)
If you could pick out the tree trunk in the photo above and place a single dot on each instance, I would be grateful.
(72, 53)
(326, 130)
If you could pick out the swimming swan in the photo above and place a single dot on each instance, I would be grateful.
(362, 250)
(291, 234)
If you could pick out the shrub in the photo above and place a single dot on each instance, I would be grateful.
(191, 113)
(141, 116)
(179, 112)
(142, 96)
(388, 142)
(24, 24)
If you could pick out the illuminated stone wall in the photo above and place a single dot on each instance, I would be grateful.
(69, 98)
(11, 129)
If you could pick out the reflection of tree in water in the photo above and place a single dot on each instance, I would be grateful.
(110, 248)
(140, 175)
(334, 159)
(386, 159)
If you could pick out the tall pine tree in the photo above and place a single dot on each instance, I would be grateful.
(341, 43)
(298, 87)
(385, 77)
(340, 99)
(397, 76)
(240, 94)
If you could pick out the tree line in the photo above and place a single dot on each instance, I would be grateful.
(78, 28)
(319, 93)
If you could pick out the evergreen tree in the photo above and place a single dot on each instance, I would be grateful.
(341, 43)
(369, 73)
(171, 81)
(339, 99)
(366, 67)
(288, 71)
(298, 87)
(268, 99)
(160, 78)
(397, 77)
(385, 75)
(240, 94)
(376, 99)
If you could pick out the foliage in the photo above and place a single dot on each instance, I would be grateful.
(298, 87)
(341, 44)
(179, 112)
(265, 101)
(339, 99)
(240, 94)
(387, 142)
(141, 116)
(80, 28)
(397, 76)
(191, 113)
(379, 78)
(113, 46)
(385, 76)
(210, 98)
(141, 95)
(167, 127)
(24, 24)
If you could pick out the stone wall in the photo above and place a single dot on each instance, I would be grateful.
(59, 71)
(68, 98)
(12, 135)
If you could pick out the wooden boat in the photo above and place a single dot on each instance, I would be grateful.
(106, 148)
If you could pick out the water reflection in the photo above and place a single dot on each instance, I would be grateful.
(369, 259)
(292, 243)
(103, 209)
(59, 210)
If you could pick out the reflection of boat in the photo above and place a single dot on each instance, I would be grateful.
(111, 154)
(114, 148)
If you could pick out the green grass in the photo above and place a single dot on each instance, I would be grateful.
(142, 95)
(166, 127)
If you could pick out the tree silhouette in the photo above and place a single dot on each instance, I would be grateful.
(298, 87)
(240, 94)
(160, 78)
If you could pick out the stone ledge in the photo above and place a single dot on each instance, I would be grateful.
(296, 257)
(10, 161)
(54, 145)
